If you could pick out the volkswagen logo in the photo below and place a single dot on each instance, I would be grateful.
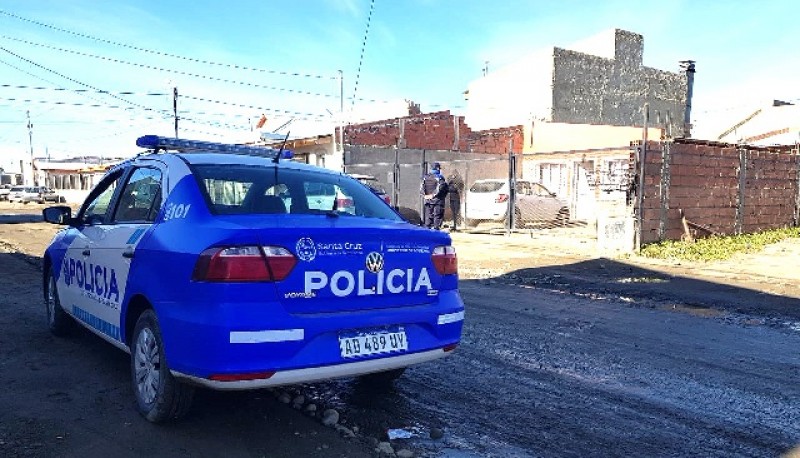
(374, 262)
(306, 250)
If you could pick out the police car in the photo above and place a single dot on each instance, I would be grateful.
(212, 267)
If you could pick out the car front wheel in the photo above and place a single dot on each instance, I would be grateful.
(159, 396)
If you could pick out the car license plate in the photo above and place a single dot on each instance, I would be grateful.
(372, 343)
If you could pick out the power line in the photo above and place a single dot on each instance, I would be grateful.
(80, 91)
(361, 58)
(76, 81)
(160, 53)
(242, 105)
(168, 70)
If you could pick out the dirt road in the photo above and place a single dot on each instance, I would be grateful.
(561, 356)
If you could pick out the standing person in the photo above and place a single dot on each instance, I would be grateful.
(455, 185)
(434, 190)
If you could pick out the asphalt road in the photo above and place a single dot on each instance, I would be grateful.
(595, 358)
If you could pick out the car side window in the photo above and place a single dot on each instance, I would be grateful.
(97, 209)
(540, 191)
(140, 199)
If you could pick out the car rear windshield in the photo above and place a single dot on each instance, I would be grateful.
(240, 190)
(486, 186)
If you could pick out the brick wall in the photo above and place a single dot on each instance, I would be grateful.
(434, 131)
(725, 188)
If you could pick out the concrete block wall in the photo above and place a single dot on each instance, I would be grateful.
(589, 89)
(705, 180)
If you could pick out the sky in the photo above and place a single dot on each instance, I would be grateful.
(95, 75)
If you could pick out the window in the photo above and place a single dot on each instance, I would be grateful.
(140, 200)
(95, 212)
(486, 186)
(523, 188)
(232, 189)
(541, 191)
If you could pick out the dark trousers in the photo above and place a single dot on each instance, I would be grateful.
(455, 208)
(434, 213)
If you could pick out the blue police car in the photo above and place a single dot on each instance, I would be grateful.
(221, 266)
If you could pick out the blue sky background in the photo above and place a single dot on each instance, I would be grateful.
(424, 50)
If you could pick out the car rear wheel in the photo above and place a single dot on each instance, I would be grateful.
(159, 396)
(59, 323)
(563, 216)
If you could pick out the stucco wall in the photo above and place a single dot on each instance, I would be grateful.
(513, 94)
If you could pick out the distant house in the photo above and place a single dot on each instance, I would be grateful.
(600, 80)
(774, 123)
(72, 178)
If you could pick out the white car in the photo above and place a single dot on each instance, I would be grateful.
(487, 200)
(38, 194)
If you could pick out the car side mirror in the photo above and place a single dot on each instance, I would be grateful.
(61, 214)
(552, 194)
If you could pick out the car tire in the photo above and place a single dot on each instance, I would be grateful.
(518, 222)
(58, 321)
(159, 396)
(385, 379)
(563, 216)
(471, 223)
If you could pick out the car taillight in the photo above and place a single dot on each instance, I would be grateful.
(244, 263)
(344, 202)
(501, 198)
(387, 199)
(444, 260)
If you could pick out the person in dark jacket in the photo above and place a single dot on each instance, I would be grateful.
(434, 191)
(455, 186)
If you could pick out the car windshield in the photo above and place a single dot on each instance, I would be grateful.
(239, 190)
(486, 186)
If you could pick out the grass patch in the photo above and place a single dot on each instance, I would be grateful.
(717, 248)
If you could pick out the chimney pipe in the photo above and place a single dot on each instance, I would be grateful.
(688, 69)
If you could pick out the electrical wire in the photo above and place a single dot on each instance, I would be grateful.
(253, 107)
(361, 57)
(77, 82)
(79, 91)
(160, 53)
(168, 70)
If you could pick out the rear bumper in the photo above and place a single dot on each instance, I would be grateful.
(204, 341)
(315, 374)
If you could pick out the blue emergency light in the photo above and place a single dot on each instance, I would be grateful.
(156, 142)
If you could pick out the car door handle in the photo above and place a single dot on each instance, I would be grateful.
(86, 252)
(127, 254)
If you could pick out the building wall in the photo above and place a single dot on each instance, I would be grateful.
(434, 131)
(589, 89)
(602, 81)
(513, 94)
(548, 137)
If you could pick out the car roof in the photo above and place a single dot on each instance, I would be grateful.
(210, 158)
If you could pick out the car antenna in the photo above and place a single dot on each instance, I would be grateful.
(280, 151)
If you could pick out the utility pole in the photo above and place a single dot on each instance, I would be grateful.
(341, 116)
(30, 141)
(175, 108)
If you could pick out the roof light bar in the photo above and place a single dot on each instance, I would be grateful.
(157, 142)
